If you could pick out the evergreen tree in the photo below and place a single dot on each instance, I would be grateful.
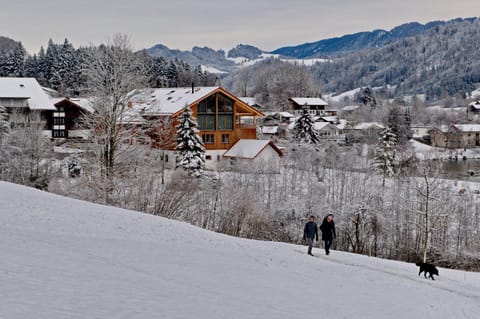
(368, 98)
(304, 131)
(400, 125)
(190, 148)
(385, 154)
(4, 124)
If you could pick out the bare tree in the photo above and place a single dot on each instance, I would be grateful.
(114, 74)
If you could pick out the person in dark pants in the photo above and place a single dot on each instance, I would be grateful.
(328, 232)
(310, 233)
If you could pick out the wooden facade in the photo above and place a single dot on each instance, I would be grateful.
(216, 130)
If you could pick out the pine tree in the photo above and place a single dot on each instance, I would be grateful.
(368, 98)
(4, 124)
(190, 148)
(304, 131)
(385, 154)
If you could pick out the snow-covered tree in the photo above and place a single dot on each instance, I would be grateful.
(385, 154)
(304, 131)
(190, 148)
(368, 98)
(4, 124)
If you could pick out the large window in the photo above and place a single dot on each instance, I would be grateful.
(207, 113)
(225, 113)
(216, 106)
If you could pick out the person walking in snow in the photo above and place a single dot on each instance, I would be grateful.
(310, 233)
(328, 232)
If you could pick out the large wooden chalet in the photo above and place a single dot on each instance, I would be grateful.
(223, 118)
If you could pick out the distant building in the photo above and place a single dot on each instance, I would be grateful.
(252, 101)
(255, 156)
(316, 106)
(474, 107)
(456, 136)
(26, 98)
(68, 119)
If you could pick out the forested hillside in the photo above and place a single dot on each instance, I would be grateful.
(443, 61)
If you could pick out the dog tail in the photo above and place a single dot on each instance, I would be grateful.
(419, 264)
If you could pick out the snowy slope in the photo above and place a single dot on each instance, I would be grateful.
(62, 258)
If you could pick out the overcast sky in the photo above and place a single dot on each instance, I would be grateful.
(182, 24)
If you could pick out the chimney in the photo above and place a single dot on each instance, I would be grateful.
(193, 87)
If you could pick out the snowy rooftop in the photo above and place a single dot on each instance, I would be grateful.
(270, 129)
(251, 101)
(318, 126)
(84, 103)
(249, 148)
(26, 88)
(170, 100)
(368, 125)
(468, 127)
(350, 108)
(475, 105)
(309, 101)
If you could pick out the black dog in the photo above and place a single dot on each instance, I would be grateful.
(426, 267)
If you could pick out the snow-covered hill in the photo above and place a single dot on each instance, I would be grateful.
(63, 258)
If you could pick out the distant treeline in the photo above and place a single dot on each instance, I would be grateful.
(61, 67)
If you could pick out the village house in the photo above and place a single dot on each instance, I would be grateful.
(364, 132)
(474, 107)
(254, 156)
(223, 118)
(329, 132)
(316, 106)
(252, 101)
(456, 136)
(68, 119)
(25, 99)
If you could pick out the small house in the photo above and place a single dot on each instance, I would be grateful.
(255, 156)
(316, 106)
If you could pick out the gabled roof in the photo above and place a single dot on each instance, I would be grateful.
(309, 101)
(26, 88)
(318, 126)
(368, 125)
(164, 101)
(249, 149)
(270, 129)
(85, 104)
(475, 105)
(467, 128)
(252, 101)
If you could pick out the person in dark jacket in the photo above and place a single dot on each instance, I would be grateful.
(310, 233)
(328, 232)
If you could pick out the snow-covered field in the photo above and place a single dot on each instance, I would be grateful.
(63, 258)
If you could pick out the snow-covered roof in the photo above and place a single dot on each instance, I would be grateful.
(84, 103)
(368, 125)
(250, 148)
(342, 124)
(329, 118)
(251, 101)
(318, 126)
(286, 114)
(310, 101)
(270, 129)
(475, 105)
(468, 127)
(169, 100)
(26, 88)
(350, 108)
